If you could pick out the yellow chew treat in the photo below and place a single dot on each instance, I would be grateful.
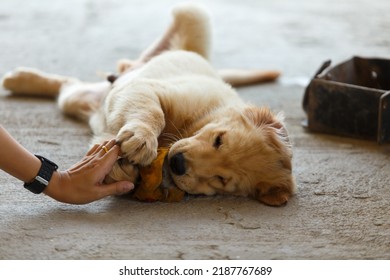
(153, 187)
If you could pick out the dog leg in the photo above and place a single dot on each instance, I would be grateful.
(81, 100)
(189, 30)
(240, 77)
(136, 117)
(29, 81)
(75, 98)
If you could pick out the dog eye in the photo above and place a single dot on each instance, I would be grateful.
(221, 179)
(218, 141)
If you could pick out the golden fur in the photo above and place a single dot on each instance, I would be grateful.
(171, 96)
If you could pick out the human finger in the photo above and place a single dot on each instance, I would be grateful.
(82, 163)
(98, 149)
(106, 146)
(89, 156)
(109, 158)
(93, 150)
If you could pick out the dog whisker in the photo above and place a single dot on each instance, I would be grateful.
(170, 137)
(180, 135)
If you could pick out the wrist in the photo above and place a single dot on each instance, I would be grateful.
(44, 176)
(52, 188)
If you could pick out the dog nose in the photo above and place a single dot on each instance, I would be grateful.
(177, 164)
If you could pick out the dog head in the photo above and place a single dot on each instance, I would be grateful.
(244, 152)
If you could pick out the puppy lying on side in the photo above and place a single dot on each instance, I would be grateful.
(172, 97)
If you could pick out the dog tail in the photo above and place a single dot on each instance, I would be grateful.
(240, 77)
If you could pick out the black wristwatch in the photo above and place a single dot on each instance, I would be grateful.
(44, 175)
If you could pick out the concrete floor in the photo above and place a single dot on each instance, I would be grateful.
(341, 210)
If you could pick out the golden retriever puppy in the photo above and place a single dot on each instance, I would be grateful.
(171, 96)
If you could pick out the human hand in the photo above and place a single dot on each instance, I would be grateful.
(83, 182)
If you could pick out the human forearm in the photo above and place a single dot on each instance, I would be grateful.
(82, 183)
(16, 160)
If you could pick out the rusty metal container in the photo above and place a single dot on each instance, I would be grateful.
(351, 99)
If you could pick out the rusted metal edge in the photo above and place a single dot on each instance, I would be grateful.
(334, 105)
(384, 119)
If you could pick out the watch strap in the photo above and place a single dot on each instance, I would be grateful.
(43, 177)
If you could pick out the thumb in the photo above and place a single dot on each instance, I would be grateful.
(116, 188)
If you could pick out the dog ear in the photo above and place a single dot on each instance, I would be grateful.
(263, 116)
(277, 185)
(273, 128)
(274, 196)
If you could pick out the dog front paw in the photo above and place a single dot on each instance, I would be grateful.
(139, 145)
(122, 170)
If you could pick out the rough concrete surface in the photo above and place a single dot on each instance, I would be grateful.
(341, 209)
